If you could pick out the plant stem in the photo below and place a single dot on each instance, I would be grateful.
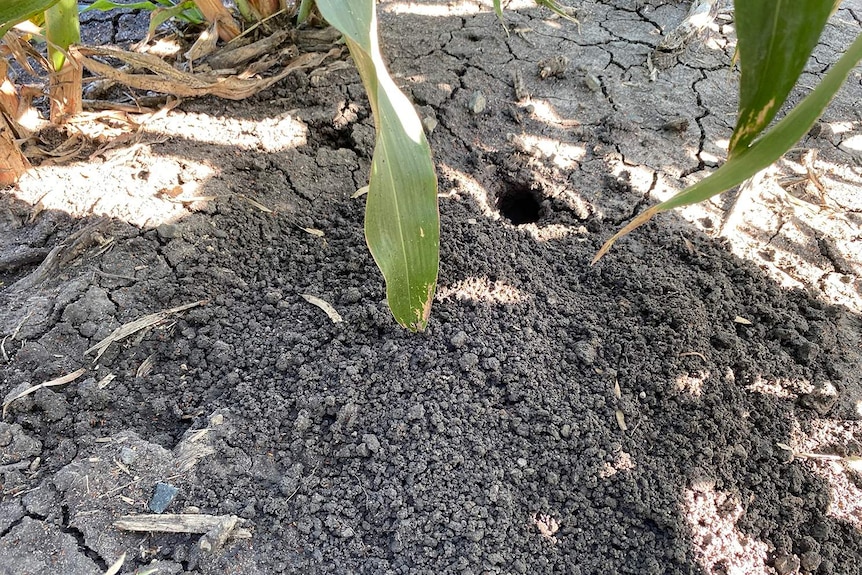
(62, 29)
(305, 8)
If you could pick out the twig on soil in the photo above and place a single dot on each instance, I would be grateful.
(103, 383)
(693, 353)
(134, 327)
(854, 462)
(118, 564)
(146, 366)
(621, 420)
(256, 204)
(304, 482)
(114, 276)
(325, 306)
(68, 378)
(20, 324)
(179, 523)
(169, 80)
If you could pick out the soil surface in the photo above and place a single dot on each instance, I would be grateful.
(690, 404)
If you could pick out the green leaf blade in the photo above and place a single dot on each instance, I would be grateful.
(17, 11)
(777, 141)
(402, 222)
(776, 38)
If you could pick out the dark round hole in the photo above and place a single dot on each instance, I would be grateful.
(518, 205)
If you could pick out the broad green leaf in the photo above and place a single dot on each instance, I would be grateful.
(402, 224)
(763, 152)
(16, 11)
(775, 40)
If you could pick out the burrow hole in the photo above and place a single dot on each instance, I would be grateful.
(519, 205)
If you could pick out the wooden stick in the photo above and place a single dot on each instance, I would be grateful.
(180, 523)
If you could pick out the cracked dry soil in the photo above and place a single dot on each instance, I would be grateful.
(631, 417)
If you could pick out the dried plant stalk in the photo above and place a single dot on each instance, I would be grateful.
(215, 11)
(66, 90)
(169, 80)
(13, 163)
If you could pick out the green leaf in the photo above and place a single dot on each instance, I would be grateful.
(185, 11)
(163, 10)
(402, 224)
(62, 29)
(763, 152)
(107, 5)
(17, 11)
(776, 38)
(559, 10)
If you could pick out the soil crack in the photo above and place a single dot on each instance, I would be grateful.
(76, 533)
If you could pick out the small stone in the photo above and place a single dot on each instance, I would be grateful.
(127, 455)
(785, 564)
(477, 102)
(168, 231)
(821, 400)
(429, 123)
(458, 340)
(302, 422)
(162, 497)
(586, 352)
(371, 441)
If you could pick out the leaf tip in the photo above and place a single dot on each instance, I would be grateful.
(630, 227)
